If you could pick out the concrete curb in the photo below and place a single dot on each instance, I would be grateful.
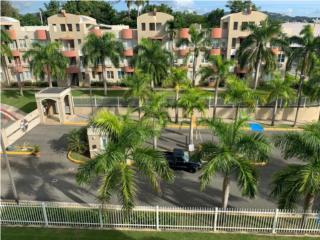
(74, 160)
(17, 153)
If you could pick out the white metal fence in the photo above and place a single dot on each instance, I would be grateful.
(99, 101)
(159, 218)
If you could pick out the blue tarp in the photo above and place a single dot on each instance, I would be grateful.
(256, 127)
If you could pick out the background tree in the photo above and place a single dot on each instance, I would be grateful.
(139, 87)
(312, 89)
(296, 181)
(214, 17)
(5, 52)
(30, 19)
(129, 4)
(171, 32)
(47, 60)
(309, 48)
(140, 4)
(8, 10)
(101, 49)
(240, 5)
(238, 92)
(255, 50)
(187, 18)
(151, 58)
(198, 40)
(162, 7)
(124, 158)
(219, 69)
(279, 89)
(234, 152)
(193, 99)
(50, 8)
(156, 109)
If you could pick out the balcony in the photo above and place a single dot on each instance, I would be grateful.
(96, 32)
(12, 34)
(216, 33)
(126, 34)
(128, 69)
(18, 69)
(183, 52)
(15, 53)
(215, 52)
(184, 33)
(98, 69)
(275, 50)
(41, 34)
(128, 52)
(73, 69)
(69, 53)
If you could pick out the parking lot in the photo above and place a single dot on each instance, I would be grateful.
(51, 177)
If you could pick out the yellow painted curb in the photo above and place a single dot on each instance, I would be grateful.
(74, 160)
(17, 153)
(75, 123)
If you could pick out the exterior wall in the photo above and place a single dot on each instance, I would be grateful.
(232, 29)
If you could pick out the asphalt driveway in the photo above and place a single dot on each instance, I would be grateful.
(51, 177)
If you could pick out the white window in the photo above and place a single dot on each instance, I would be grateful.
(27, 75)
(54, 27)
(103, 142)
(120, 74)
(110, 74)
(22, 43)
(281, 58)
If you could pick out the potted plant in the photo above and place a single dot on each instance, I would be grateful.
(36, 150)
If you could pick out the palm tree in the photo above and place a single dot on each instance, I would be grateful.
(220, 69)
(178, 79)
(309, 46)
(156, 110)
(129, 6)
(139, 87)
(198, 40)
(140, 4)
(5, 51)
(171, 32)
(46, 59)
(151, 58)
(255, 50)
(191, 100)
(279, 89)
(100, 49)
(238, 92)
(312, 89)
(235, 152)
(296, 181)
(125, 157)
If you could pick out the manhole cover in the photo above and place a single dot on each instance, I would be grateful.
(54, 180)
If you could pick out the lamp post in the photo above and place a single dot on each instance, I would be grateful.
(5, 157)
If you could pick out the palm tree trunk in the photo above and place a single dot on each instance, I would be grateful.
(215, 99)
(300, 90)
(155, 138)
(237, 113)
(308, 204)
(104, 82)
(5, 70)
(20, 84)
(49, 77)
(256, 74)
(90, 90)
(191, 129)
(225, 191)
(194, 70)
(139, 108)
(176, 107)
(274, 112)
(5, 157)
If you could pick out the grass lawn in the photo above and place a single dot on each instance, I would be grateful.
(27, 103)
(18, 233)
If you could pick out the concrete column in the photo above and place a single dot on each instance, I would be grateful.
(41, 110)
(71, 104)
(61, 111)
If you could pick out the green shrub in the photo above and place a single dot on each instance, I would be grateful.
(78, 141)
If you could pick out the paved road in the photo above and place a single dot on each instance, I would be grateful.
(52, 177)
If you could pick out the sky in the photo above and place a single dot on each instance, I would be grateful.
(309, 8)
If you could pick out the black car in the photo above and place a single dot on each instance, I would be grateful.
(179, 160)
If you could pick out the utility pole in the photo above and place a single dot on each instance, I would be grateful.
(5, 157)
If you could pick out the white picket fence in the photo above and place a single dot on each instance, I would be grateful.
(159, 218)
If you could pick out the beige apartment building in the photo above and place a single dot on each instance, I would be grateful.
(71, 31)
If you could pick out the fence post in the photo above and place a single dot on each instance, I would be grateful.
(157, 218)
(215, 219)
(95, 101)
(100, 216)
(45, 214)
(275, 220)
(118, 98)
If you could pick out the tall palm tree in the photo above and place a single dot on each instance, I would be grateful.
(197, 41)
(255, 49)
(129, 6)
(46, 59)
(178, 79)
(309, 46)
(156, 110)
(124, 158)
(296, 181)
(140, 4)
(193, 99)
(5, 51)
(233, 153)
(171, 32)
(101, 49)
(279, 89)
(312, 89)
(139, 87)
(219, 69)
(151, 58)
(239, 93)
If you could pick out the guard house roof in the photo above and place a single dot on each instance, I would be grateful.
(53, 92)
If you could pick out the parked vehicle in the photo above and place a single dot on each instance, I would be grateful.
(179, 160)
